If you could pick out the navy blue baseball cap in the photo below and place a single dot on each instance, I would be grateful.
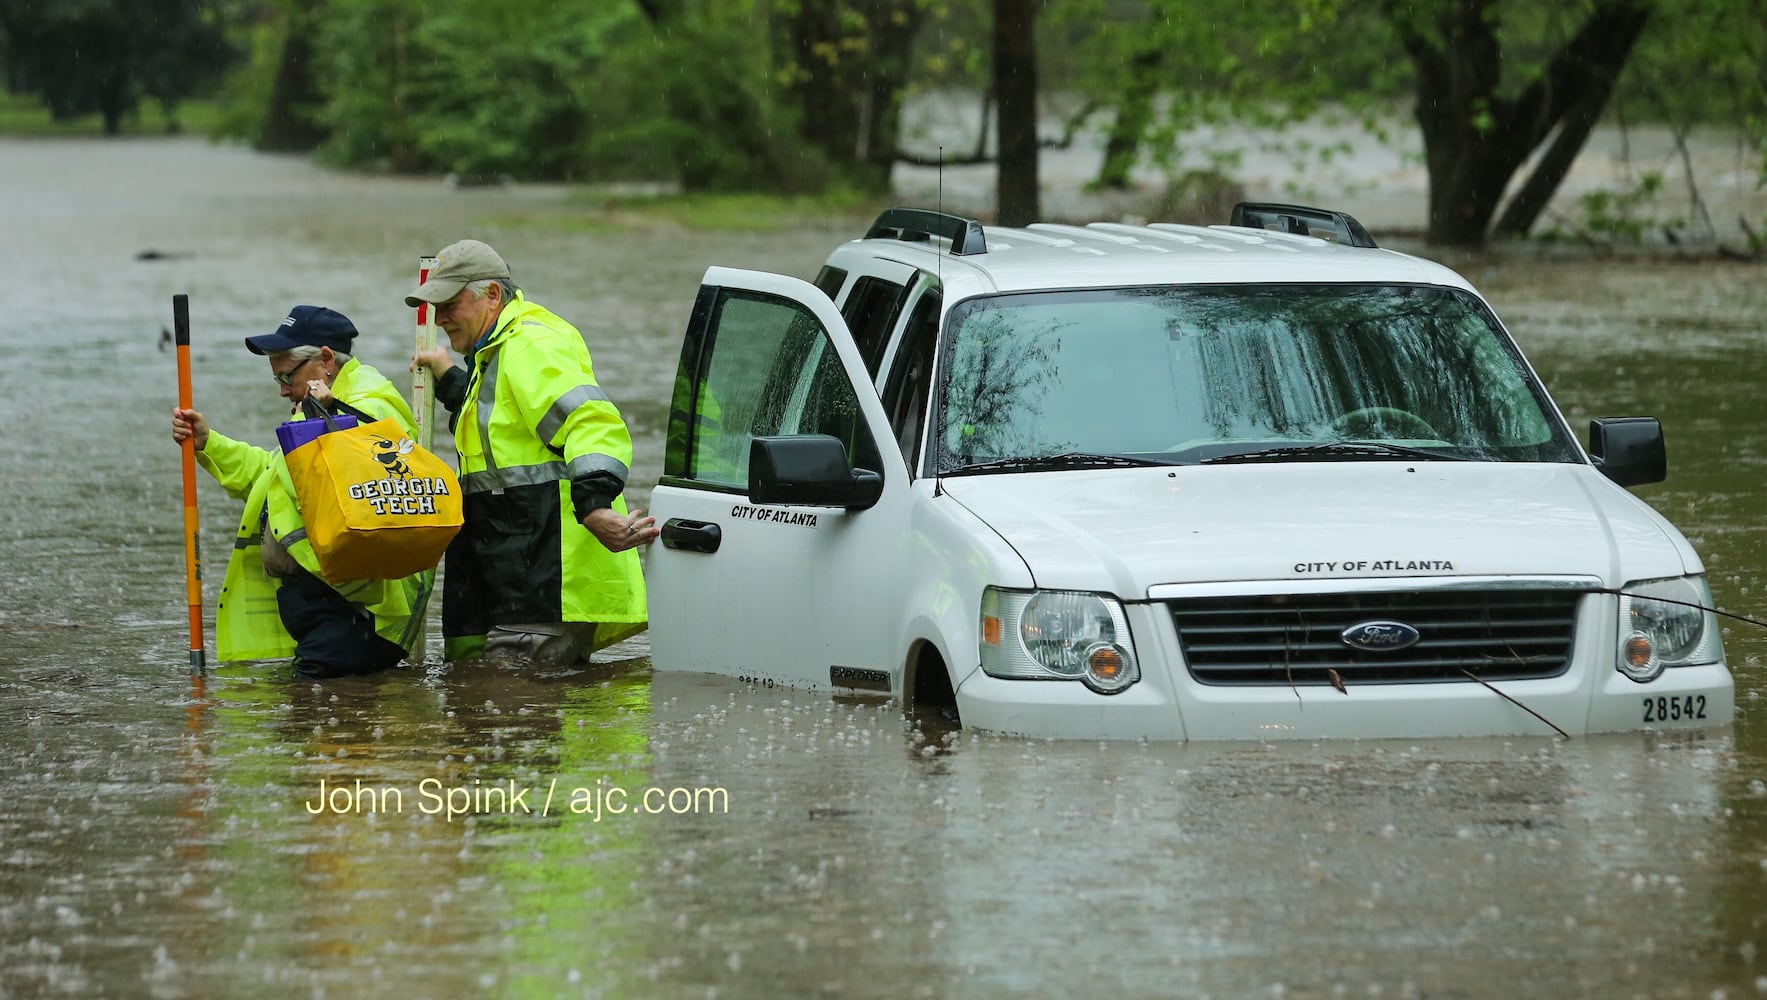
(307, 326)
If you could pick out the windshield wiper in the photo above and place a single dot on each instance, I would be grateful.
(1344, 451)
(1049, 463)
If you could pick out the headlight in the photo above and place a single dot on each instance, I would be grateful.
(1663, 623)
(1057, 635)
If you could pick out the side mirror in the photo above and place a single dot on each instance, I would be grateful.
(809, 470)
(1629, 450)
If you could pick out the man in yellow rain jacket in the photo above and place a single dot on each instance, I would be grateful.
(546, 568)
(274, 601)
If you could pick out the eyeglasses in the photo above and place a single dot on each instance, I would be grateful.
(287, 377)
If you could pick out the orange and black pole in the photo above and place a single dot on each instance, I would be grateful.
(192, 545)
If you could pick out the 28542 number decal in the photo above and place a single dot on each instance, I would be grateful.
(1668, 708)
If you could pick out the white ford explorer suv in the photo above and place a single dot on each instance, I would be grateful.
(1165, 481)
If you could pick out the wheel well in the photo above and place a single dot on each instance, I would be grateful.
(928, 684)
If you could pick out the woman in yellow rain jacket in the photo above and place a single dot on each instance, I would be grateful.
(274, 601)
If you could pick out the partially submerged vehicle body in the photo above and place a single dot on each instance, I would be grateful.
(1164, 481)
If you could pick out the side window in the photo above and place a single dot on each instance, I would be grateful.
(870, 311)
(771, 369)
(829, 406)
(905, 394)
(830, 280)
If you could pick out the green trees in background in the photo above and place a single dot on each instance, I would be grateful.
(719, 94)
(1504, 92)
(789, 95)
(845, 66)
(1702, 65)
(1015, 86)
(1488, 104)
(83, 57)
(286, 115)
(1160, 69)
(807, 95)
(481, 89)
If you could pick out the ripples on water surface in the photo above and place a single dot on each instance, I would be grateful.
(154, 833)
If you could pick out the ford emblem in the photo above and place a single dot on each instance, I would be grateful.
(1379, 636)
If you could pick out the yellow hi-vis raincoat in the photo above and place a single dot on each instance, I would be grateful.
(247, 624)
(540, 446)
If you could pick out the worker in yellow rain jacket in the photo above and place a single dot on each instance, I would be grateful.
(274, 601)
(546, 567)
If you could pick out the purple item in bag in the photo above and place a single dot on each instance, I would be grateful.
(295, 433)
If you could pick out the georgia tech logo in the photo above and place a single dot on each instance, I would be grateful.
(399, 492)
(393, 456)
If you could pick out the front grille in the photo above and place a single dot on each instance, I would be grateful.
(1297, 639)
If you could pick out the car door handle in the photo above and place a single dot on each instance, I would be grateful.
(694, 536)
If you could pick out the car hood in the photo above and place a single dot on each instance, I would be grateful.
(1127, 530)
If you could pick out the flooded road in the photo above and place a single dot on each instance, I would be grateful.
(614, 833)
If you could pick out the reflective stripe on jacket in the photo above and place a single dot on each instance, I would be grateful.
(247, 623)
(533, 422)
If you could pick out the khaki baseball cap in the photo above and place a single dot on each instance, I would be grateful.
(456, 266)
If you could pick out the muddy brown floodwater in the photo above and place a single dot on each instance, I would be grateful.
(610, 832)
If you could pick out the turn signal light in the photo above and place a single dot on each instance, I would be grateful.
(1107, 669)
(1638, 656)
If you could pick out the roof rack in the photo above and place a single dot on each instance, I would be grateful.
(916, 224)
(1296, 219)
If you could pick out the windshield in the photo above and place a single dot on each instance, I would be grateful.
(1230, 372)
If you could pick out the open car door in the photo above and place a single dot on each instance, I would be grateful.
(770, 589)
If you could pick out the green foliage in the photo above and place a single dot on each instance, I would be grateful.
(713, 93)
(478, 88)
(1757, 237)
(105, 56)
(1260, 64)
(23, 114)
(1625, 216)
(698, 99)
(1529, 33)
(953, 50)
(533, 89)
(1705, 66)
(1701, 62)
(730, 212)
(245, 92)
(270, 99)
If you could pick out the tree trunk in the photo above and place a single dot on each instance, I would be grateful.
(113, 100)
(288, 123)
(893, 42)
(1015, 81)
(1457, 84)
(813, 34)
(1468, 172)
(1543, 181)
(847, 83)
(1474, 138)
(1134, 114)
(1596, 79)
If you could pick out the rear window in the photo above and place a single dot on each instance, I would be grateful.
(830, 280)
(870, 311)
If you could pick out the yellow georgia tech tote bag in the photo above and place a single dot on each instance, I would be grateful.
(376, 504)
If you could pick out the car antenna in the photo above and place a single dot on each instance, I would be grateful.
(939, 279)
(939, 261)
